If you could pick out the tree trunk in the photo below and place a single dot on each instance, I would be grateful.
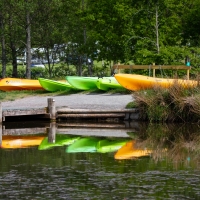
(47, 54)
(157, 33)
(14, 60)
(28, 46)
(3, 56)
(80, 66)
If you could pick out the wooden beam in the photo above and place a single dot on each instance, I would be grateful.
(152, 67)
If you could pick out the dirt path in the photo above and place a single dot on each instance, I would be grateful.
(74, 101)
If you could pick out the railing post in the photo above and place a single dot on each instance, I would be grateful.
(52, 132)
(154, 71)
(51, 109)
(188, 74)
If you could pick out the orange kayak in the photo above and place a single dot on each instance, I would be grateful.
(128, 151)
(137, 82)
(13, 142)
(9, 84)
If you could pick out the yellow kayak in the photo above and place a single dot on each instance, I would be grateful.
(139, 82)
(13, 142)
(128, 151)
(9, 84)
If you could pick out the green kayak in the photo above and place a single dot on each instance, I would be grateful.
(106, 145)
(107, 83)
(53, 86)
(82, 83)
(83, 145)
(61, 140)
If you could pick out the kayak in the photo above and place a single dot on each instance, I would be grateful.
(139, 82)
(82, 83)
(60, 140)
(83, 145)
(107, 83)
(13, 142)
(105, 146)
(53, 86)
(128, 151)
(9, 84)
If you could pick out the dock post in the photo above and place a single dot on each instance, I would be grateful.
(0, 113)
(51, 109)
(52, 133)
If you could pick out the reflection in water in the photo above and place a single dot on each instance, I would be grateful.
(60, 140)
(13, 142)
(176, 143)
(167, 168)
(107, 145)
(87, 144)
(129, 151)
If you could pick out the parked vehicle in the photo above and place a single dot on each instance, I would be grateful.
(37, 65)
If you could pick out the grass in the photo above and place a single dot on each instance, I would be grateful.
(174, 104)
(13, 95)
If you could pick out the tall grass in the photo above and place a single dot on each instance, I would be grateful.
(173, 104)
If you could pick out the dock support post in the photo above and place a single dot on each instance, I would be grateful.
(0, 113)
(51, 109)
(52, 132)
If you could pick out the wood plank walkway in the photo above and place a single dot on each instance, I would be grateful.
(54, 113)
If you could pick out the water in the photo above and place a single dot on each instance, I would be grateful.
(169, 172)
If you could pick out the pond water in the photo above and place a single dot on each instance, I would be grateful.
(150, 162)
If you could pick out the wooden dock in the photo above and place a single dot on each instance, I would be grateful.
(53, 113)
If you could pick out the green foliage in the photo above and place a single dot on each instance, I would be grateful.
(161, 32)
(63, 70)
(132, 105)
(37, 72)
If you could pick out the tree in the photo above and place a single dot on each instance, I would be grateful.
(3, 57)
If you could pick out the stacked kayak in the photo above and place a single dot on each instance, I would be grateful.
(13, 142)
(82, 83)
(10, 84)
(60, 140)
(139, 82)
(90, 83)
(129, 151)
(53, 86)
(107, 83)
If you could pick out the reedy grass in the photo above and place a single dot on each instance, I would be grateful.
(173, 104)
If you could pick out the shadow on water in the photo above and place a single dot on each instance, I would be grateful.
(77, 160)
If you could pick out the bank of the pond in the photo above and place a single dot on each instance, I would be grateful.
(173, 104)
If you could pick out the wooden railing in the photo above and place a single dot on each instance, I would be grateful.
(153, 67)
